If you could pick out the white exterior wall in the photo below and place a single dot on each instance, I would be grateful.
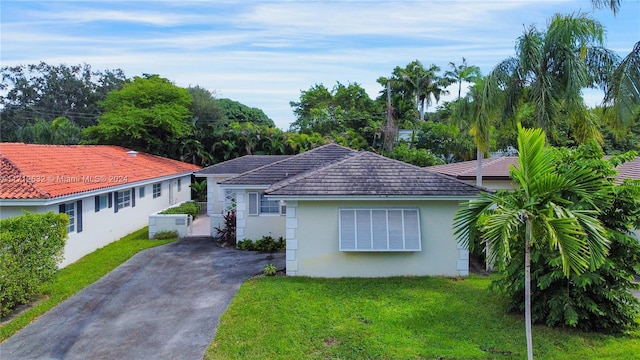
(105, 226)
(313, 248)
(255, 227)
(215, 202)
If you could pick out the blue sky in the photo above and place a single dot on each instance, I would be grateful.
(263, 53)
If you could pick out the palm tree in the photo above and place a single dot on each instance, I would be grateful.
(473, 112)
(462, 73)
(538, 214)
(551, 68)
(623, 95)
(423, 84)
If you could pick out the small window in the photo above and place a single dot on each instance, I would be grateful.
(70, 210)
(141, 192)
(123, 199)
(268, 206)
(379, 230)
(253, 203)
(102, 201)
(157, 190)
(259, 204)
(179, 184)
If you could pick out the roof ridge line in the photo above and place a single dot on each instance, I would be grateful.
(305, 174)
(285, 159)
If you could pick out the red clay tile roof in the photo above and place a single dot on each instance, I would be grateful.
(29, 171)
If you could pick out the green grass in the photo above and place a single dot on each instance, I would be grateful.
(396, 318)
(82, 273)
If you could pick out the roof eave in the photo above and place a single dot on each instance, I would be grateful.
(372, 197)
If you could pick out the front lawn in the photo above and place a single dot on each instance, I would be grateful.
(396, 318)
(82, 273)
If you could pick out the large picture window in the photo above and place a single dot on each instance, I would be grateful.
(379, 230)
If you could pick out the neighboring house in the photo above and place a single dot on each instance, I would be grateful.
(107, 191)
(353, 213)
(495, 171)
(220, 201)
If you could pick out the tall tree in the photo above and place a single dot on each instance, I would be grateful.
(462, 73)
(424, 84)
(623, 95)
(474, 112)
(551, 68)
(235, 111)
(45, 92)
(148, 114)
(540, 213)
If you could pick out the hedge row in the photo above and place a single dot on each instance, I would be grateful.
(189, 208)
(31, 246)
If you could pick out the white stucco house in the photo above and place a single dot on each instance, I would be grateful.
(219, 200)
(107, 191)
(353, 213)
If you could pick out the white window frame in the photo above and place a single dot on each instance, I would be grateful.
(379, 230)
(70, 210)
(157, 190)
(179, 185)
(141, 192)
(256, 205)
(123, 199)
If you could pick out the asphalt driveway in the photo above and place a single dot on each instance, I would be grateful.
(164, 303)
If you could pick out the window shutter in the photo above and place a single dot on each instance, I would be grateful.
(110, 200)
(379, 226)
(79, 216)
(347, 230)
(115, 207)
(61, 208)
(133, 197)
(97, 198)
(253, 203)
(411, 230)
(363, 232)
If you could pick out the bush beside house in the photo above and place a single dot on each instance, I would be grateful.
(189, 208)
(31, 247)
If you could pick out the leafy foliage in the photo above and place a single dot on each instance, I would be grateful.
(190, 208)
(166, 235)
(43, 92)
(148, 114)
(270, 270)
(598, 299)
(238, 112)
(199, 188)
(228, 231)
(31, 246)
(417, 157)
(266, 243)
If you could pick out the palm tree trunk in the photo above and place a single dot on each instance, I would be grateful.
(527, 287)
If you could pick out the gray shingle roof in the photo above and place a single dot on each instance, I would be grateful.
(241, 165)
(367, 174)
(292, 166)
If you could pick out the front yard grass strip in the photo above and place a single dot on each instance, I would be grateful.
(82, 273)
(393, 318)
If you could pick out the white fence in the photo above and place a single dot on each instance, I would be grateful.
(180, 223)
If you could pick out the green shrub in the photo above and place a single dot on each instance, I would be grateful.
(189, 208)
(266, 243)
(31, 246)
(166, 235)
(270, 270)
